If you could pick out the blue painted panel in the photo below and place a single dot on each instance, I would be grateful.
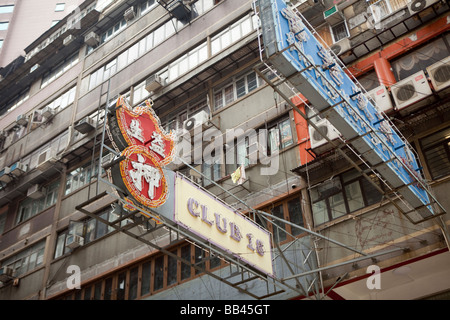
(327, 86)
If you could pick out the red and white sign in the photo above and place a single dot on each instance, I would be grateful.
(141, 126)
(149, 149)
(143, 176)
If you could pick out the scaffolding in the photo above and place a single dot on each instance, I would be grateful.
(393, 194)
(303, 278)
(303, 275)
(141, 226)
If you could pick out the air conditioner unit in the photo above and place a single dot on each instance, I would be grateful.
(341, 46)
(69, 39)
(333, 15)
(92, 39)
(439, 74)
(381, 97)
(179, 10)
(85, 125)
(4, 175)
(196, 120)
(418, 5)
(6, 274)
(153, 83)
(37, 119)
(47, 112)
(318, 141)
(35, 192)
(107, 159)
(74, 241)
(313, 114)
(129, 14)
(410, 91)
(18, 169)
(22, 120)
(46, 160)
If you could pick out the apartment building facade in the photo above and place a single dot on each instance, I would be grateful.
(24, 21)
(202, 62)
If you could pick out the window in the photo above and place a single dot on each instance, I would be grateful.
(139, 93)
(240, 153)
(341, 195)
(419, 59)
(218, 99)
(81, 176)
(87, 293)
(185, 253)
(26, 260)
(108, 289)
(146, 276)
(380, 9)
(60, 7)
(158, 281)
(339, 31)
(175, 120)
(398, 4)
(60, 69)
(6, 9)
(289, 210)
(4, 25)
(187, 62)
(108, 34)
(211, 172)
(63, 100)
(150, 276)
(383, 8)
(235, 89)
(246, 84)
(436, 150)
(31, 207)
(147, 5)
(17, 100)
(280, 135)
(134, 278)
(90, 229)
(105, 72)
(2, 222)
(121, 285)
(232, 34)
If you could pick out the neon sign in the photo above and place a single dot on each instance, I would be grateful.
(313, 70)
(145, 149)
(221, 225)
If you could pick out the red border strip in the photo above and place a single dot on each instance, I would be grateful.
(398, 48)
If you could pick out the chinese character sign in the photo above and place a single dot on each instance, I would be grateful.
(143, 176)
(145, 149)
(140, 126)
(313, 70)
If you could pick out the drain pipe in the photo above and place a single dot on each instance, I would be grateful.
(384, 72)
